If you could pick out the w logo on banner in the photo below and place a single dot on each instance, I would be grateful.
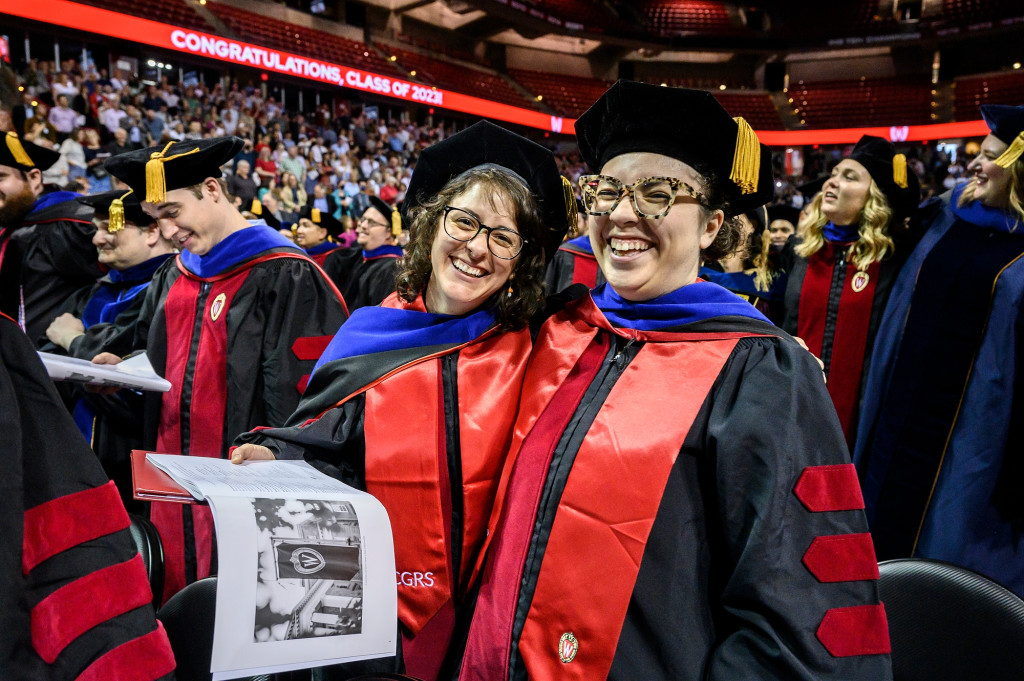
(899, 133)
(556, 124)
(312, 559)
(307, 561)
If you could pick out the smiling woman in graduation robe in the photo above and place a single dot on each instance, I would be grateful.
(439, 363)
(678, 503)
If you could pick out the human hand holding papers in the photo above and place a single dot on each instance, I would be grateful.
(135, 372)
(307, 565)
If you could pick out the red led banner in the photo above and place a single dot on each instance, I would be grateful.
(104, 22)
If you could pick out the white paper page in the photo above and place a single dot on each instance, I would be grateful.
(136, 372)
(268, 620)
(205, 476)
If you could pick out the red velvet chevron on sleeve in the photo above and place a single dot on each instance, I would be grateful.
(858, 630)
(70, 520)
(842, 558)
(146, 657)
(829, 488)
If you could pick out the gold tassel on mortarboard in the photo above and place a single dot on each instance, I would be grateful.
(1012, 153)
(256, 208)
(746, 160)
(116, 213)
(156, 179)
(314, 215)
(396, 223)
(18, 151)
(570, 204)
(899, 170)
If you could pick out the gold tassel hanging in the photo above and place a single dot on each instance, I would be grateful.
(156, 179)
(314, 215)
(746, 160)
(396, 223)
(1012, 153)
(17, 151)
(570, 204)
(257, 208)
(116, 213)
(899, 170)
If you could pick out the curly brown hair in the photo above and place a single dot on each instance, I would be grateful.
(729, 234)
(527, 279)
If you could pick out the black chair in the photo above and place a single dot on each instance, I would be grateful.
(147, 539)
(948, 623)
(188, 617)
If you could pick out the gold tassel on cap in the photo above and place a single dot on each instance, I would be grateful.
(396, 223)
(314, 215)
(899, 170)
(746, 160)
(116, 213)
(17, 151)
(156, 179)
(256, 208)
(570, 204)
(1012, 153)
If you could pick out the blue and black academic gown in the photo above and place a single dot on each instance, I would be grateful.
(111, 424)
(320, 252)
(364, 277)
(417, 409)
(939, 445)
(836, 308)
(573, 263)
(45, 260)
(768, 303)
(677, 505)
(75, 601)
(237, 333)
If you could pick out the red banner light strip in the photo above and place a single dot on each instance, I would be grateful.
(104, 22)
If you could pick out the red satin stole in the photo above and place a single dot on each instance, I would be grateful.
(613, 492)
(407, 469)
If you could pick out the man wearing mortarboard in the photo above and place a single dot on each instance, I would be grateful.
(317, 231)
(129, 243)
(366, 272)
(46, 250)
(235, 323)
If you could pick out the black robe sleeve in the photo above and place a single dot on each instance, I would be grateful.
(73, 591)
(333, 443)
(305, 307)
(116, 334)
(770, 419)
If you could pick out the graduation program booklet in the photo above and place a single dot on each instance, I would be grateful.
(306, 566)
(135, 372)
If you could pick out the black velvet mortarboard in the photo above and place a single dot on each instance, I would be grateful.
(688, 125)
(485, 143)
(390, 213)
(890, 172)
(257, 209)
(131, 206)
(1005, 122)
(154, 171)
(18, 153)
(782, 211)
(323, 219)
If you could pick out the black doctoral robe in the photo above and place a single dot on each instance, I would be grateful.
(74, 598)
(53, 255)
(678, 505)
(362, 281)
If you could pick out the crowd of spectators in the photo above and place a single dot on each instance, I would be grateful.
(332, 159)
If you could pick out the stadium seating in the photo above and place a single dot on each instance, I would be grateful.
(669, 17)
(174, 12)
(300, 40)
(567, 95)
(756, 107)
(863, 102)
(451, 76)
(973, 91)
